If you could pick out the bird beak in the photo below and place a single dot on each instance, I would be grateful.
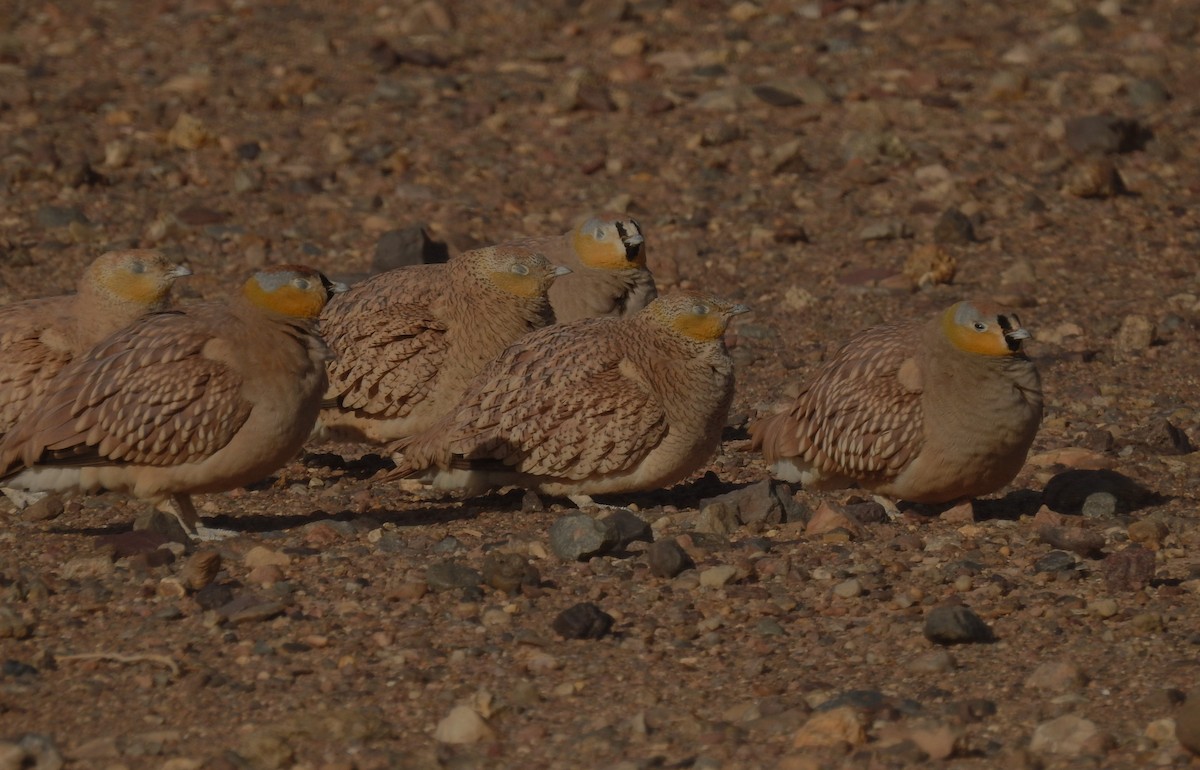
(1015, 336)
(179, 271)
(561, 270)
(738, 310)
(337, 287)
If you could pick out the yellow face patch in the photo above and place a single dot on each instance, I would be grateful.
(288, 299)
(972, 332)
(602, 248)
(528, 285)
(147, 288)
(701, 326)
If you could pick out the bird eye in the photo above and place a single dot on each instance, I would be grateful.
(138, 267)
(599, 233)
(520, 269)
(700, 309)
(980, 326)
(301, 283)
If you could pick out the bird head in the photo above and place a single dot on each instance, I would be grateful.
(516, 269)
(141, 277)
(695, 315)
(984, 329)
(610, 243)
(291, 290)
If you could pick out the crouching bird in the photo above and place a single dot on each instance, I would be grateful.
(927, 411)
(205, 398)
(601, 405)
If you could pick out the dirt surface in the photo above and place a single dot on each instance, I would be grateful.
(810, 159)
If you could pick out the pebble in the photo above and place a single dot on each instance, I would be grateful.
(1074, 539)
(1057, 676)
(956, 624)
(933, 662)
(1070, 735)
(1093, 178)
(48, 508)
(1130, 569)
(717, 577)
(1103, 608)
(260, 556)
(407, 246)
(954, 227)
(508, 572)
(251, 609)
(449, 575)
(885, 230)
(847, 589)
(582, 621)
(1102, 134)
(578, 537)
(629, 527)
(462, 725)
(266, 749)
(667, 559)
(835, 727)
(1136, 334)
(1055, 561)
(767, 501)
(1148, 532)
(930, 265)
(830, 517)
(1187, 723)
(213, 596)
(200, 569)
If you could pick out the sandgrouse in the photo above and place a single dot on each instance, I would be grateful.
(601, 405)
(40, 336)
(607, 257)
(203, 399)
(927, 412)
(401, 364)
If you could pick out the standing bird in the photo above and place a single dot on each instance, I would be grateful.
(596, 406)
(404, 351)
(927, 412)
(39, 337)
(607, 257)
(203, 399)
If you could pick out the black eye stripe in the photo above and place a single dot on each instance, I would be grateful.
(621, 230)
(1005, 324)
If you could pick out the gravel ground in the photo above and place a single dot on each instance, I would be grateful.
(833, 165)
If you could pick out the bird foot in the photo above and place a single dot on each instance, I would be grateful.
(212, 534)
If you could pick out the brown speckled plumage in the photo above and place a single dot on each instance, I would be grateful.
(38, 337)
(905, 411)
(609, 278)
(599, 405)
(405, 349)
(202, 399)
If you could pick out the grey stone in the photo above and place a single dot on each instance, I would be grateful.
(408, 246)
(767, 501)
(1055, 561)
(509, 571)
(1069, 735)
(1147, 93)
(449, 575)
(956, 624)
(1104, 135)
(885, 230)
(954, 227)
(578, 537)
(583, 621)
(667, 559)
(628, 525)
(1130, 569)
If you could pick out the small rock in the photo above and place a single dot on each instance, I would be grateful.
(48, 508)
(1103, 135)
(408, 246)
(768, 501)
(937, 739)
(1136, 334)
(1147, 93)
(200, 569)
(189, 133)
(449, 575)
(930, 265)
(1057, 676)
(629, 527)
(885, 230)
(1148, 532)
(835, 727)
(954, 227)
(258, 556)
(87, 567)
(667, 559)
(933, 662)
(1068, 491)
(956, 624)
(583, 621)
(1093, 178)
(1103, 608)
(1071, 735)
(1055, 561)
(508, 572)
(265, 575)
(717, 577)
(266, 749)
(462, 725)
(578, 537)
(1187, 723)
(213, 596)
(12, 625)
(848, 589)
(829, 517)
(251, 609)
(1147, 622)
(716, 519)
(1130, 569)
(1074, 539)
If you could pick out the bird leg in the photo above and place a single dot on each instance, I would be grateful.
(180, 506)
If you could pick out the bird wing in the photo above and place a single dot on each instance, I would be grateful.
(531, 412)
(860, 415)
(27, 361)
(383, 360)
(160, 392)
